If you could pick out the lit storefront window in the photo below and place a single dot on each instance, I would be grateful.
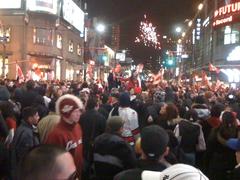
(43, 36)
(231, 35)
(1, 65)
(58, 69)
(70, 46)
(6, 32)
(69, 73)
(59, 41)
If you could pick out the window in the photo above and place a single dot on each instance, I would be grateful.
(6, 65)
(5, 34)
(70, 46)
(227, 35)
(43, 36)
(231, 34)
(59, 41)
(79, 50)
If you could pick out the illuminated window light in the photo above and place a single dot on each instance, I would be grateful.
(234, 55)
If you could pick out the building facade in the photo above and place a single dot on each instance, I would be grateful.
(214, 37)
(42, 39)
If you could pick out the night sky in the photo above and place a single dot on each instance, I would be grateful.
(165, 14)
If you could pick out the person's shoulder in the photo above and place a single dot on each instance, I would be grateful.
(131, 174)
(55, 136)
(56, 131)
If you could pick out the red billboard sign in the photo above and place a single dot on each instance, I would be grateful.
(226, 14)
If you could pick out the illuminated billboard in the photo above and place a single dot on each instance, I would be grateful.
(10, 4)
(227, 14)
(49, 6)
(73, 14)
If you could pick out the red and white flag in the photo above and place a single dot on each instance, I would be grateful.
(205, 81)
(213, 68)
(19, 73)
(139, 68)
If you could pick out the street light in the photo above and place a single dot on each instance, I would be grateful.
(178, 29)
(101, 57)
(200, 6)
(100, 28)
(183, 34)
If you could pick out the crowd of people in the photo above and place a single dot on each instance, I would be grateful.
(92, 131)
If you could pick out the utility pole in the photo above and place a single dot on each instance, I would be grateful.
(85, 44)
(4, 60)
(3, 40)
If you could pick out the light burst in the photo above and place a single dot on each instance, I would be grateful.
(148, 35)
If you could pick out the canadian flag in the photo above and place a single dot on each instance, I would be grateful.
(28, 75)
(205, 80)
(19, 73)
(213, 68)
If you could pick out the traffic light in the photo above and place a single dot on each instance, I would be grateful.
(102, 58)
(169, 62)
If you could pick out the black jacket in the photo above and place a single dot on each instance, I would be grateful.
(112, 155)
(188, 143)
(93, 124)
(236, 173)
(219, 158)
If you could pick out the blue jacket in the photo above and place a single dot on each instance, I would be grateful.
(24, 139)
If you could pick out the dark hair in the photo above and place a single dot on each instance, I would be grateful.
(228, 128)
(192, 115)
(92, 103)
(7, 109)
(84, 85)
(228, 119)
(104, 98)
(216, 110)
(171, 111)
(39, 162)
(182, 111)
(199, 100)
(30, 85)
(51, 105)
(28, 112)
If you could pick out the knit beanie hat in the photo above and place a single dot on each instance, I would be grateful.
(67, 103)
(124, 99)
(175, 172)
(154, 141)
